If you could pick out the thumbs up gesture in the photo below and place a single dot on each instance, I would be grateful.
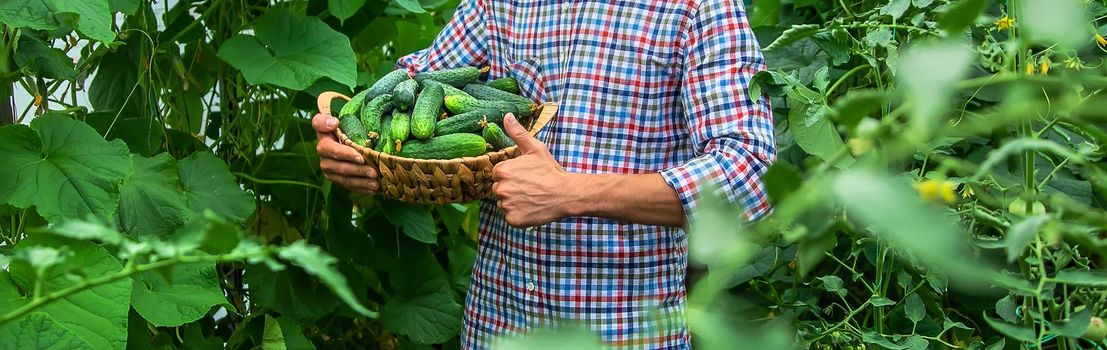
(531, 189)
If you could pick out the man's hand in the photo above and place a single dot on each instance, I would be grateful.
(530, 189)
(340, 163)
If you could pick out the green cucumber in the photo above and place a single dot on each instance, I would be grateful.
(505, 84)
(401, 126)
(372, 113)
(386, 84)
(457, 77)
(353, 106)
(427, 108)
(447, 89)
(496, 137)
(462, 104)
(404, 94)
(445, 147)
(352, 127)
(385, 145)
(469, 121)
(484, 92)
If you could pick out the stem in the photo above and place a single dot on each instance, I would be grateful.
(842, 322)
(843, 78)
(276, 182)
(127, 272)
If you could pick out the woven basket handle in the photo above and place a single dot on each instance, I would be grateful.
(545, 111)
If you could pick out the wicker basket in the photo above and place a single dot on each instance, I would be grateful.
(428, 181)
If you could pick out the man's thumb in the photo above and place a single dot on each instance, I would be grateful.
(521, 136)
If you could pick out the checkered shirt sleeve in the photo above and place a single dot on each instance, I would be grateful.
(731, 130)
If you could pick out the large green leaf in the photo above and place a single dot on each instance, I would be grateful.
(1051, 22)
(96, 315)
(344, 9)
(39, 331)
(290, 291)
(422, 307)
(90, 17)
(292, 51)
(208, 183)
(416, 220)
(320, 264)
(411, 5)
(62, 167)
(961, 15)
(43, 60)
(896, 8)
(150, 200)
(818, 138)
(190, 292)
(125, 6)
(1084, 278)
(927, 73)
(284, 333)
(115, 86)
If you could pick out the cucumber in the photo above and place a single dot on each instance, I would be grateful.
(427, 107)
(353, 106)
(404, 94)
(401, 126)
(445, 147)
(447, 89)
(469, 121)
(505, 84)
(457, 77)
(351, 125)
(495, 136)
(386, 84)
(485, 92)
(386, 144)
(462, 104)
(372, 113)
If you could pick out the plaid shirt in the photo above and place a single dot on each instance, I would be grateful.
(643, 87)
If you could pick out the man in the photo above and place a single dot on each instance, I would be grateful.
(586, 223)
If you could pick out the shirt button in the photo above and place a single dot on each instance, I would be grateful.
(530, 286)
(531, 230)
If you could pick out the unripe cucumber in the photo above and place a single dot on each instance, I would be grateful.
(353, 106)
(495, 136)
(469, 121)
(457, 77)
(404, 94)
(386, 145)
(505, 84)
(386, 84)
(351, 126)
(445, 147)
(447, 89)
(401, 126)
(372, 113)
(463, 104)
(427, 107)
(485, 92)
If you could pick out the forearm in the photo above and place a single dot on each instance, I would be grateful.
(642, 199)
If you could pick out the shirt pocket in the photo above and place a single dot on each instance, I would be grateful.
(531, 78)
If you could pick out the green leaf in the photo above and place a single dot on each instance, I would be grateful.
(411, 5)
(93, 18)
(1018, 332)
(209, 233)
(812, 250)
(143, 135)
(1073, 327)
(1021, 234)
(291, 51)
(896, 8)
(819, 139)
(272, 338)
(208, 184)
(881, 301)
(836, 43)
(86, 230)
(1005, 308)
(43, 60)
(833, 284)
(822, 79)
(115, 87)
(426, 319)
(97, 315)
(460, 264)
(150, 200)
(416, 220)
(872, 337)
(39, 331)
(66, 159)
(855, 105)
(802, 59)
(765, 13)
(921, 3)
(792, 35)
(927, 73)
(169, 302)
(1082, 278)
(916, 342)
(879, 37)
(293, 333)
(125, 6)
(914, 308)
(1050, 22)
(318, 263)
(781, 181)
(34, 14)
(344, 9)
(289, 291)
(961, 15)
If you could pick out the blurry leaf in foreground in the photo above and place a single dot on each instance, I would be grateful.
(715, 332)
(569, 338)
(715, 231)
(927, 73)
(1050, 22)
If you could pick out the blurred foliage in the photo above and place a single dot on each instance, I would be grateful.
(940, 182)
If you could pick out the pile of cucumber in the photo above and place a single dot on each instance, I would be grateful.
(441, 114)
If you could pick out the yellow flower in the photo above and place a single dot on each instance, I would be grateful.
(967, 192)
(1005, 23)
(1100, 39)
(936, 190)
(1045, 66)
(38, 100)
(859, 146)
(1074, 63)
(1030, 69)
